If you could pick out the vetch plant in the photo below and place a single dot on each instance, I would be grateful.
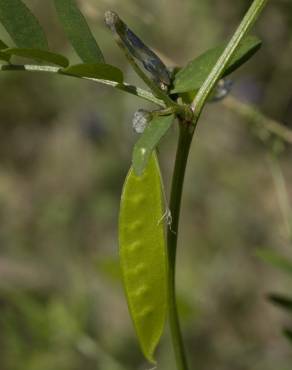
(148, 227)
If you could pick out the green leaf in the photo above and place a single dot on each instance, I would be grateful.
(282, 301)
(78, 31)
(143, 254)
(150, 138)
(39, 55)
(22, 25)
(98, 71)
(196, 72)
(282, 263)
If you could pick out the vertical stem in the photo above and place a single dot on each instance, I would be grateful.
(184, 142)
(185, 138)
(250, 17)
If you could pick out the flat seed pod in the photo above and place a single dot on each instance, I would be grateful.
(143, 254)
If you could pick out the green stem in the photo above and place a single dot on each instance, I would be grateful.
(184, 143)
(250, 17)
(134, 90)
(185, 139)
(252, 115)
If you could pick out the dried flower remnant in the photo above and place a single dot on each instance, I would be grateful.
(135, 46)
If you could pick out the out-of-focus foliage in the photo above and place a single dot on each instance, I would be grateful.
(65, 150)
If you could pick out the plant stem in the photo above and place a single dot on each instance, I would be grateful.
(253, 115)
(250, 17)
(183, 147)
(185, 139)
(131, 89)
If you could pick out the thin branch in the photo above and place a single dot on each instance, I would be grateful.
(252, 114)
(131, 89)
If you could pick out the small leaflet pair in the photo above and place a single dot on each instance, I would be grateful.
(135, 46)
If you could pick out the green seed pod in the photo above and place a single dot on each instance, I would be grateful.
(143, 254)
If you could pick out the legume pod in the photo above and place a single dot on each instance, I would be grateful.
(143, 254)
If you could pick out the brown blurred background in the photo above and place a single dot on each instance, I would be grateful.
(65, 147)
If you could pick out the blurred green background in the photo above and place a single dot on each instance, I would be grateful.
(65, 148)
